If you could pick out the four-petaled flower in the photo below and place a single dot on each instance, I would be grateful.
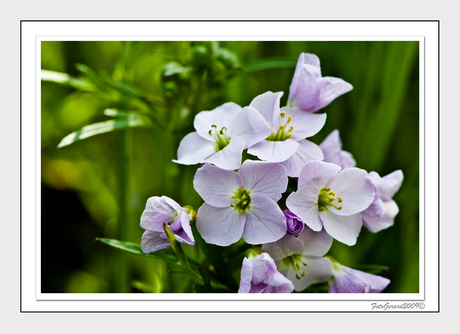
(221, 136)
(241, 204)
(161, 210)
(332, 198)
(259, 275)
(380, 214)
(332, 150)
(289, 128)
(301, 258)
(347, 280)
(309, 90)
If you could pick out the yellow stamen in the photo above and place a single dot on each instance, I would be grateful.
(338, 207)
(289, 119)
(321, 208)
(340, 199)
(297, 276)
(332, 193)
(291, 128)
(241, 212)
(282, 114)
(214, 126)
(281, 127)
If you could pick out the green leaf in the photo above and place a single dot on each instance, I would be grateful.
(136, 249)
(372, 268)
(271, 64)
(132, 120)
(144, 287)
(66, 79)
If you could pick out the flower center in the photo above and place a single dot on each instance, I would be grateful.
(284, 130)
(293, 261)
(327, 198)
(241, 200)
(220, 136)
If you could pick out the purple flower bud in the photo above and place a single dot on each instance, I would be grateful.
(295, 225)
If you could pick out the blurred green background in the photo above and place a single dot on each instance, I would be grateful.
(97, 187)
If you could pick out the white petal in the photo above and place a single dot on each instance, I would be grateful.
(229, 157)
(249, 126)
(316, 243)
(219, 226)
(307, 151)
(220, 117)
(305, 124)
(286, 246)
(318, 270)
(342, 228)
(274, 151)
(268, 105)
(303, 203)
(193, 149)
(317, 173)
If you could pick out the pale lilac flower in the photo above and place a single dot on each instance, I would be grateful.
(380, 214)
(221, 136)
(332, 198)
(259, 275)
(347, 280)
(332, 150)
(309, 90)
(301, 258)
(160, 210)
(295, 225)
(241, 204)
(289, 127)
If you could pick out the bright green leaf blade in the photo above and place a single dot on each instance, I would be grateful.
(270, 64)
(175, 245)
(104, 127)
(144, 287)
(66, 79)
(136, 249)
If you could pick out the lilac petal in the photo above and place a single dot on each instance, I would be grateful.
(390, 184)
(304, 91)
(249, 126)
(342, 228)
(355, 188)
(373, 215)
(264, 178)
(307, 151)
(316, 243)
(265, 222)
(186, 231)
(194, 149)
(330, 88)
(219, 226)
(221, 117)
(318, 270)
(348, 280)
(317, 173)
(303, 203)
(340, 86)
(274, 151)
(229, 157)
(304, 124)
(152, 242)
(215, 185)
(261, 266)
(246, 276)
(268, 105)
(157, 212)
(286, 246)
(332, 149)
(391, 210)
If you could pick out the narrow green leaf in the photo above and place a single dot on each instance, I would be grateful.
(136, 249)
(372, 268)
(103, 127)
(144, 287)
(269, 64)
(66, 79)
(175, 245)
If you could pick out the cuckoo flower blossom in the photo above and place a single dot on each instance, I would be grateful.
(347, 280)
(309, 90)
(330, 198)
(221, 136)
(301, 258)
(161, 210)
(332, 150)
(259, 275)
(380, 214)
(289, 127)
(241, 204)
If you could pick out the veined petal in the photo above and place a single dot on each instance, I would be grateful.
(355, 188)
(265, 222)
(304, 91)
(246, 276)
(219, 226)
(194, 149)
(307, 151)
(348, 280)
(220, 117)
(264, 178)
(303, 203)
(157, 211)
(216, 185)
(274, 151)
(304, 124)
(249, 126)
(229, 157)
(318, 269)
(342, 228)
(390, 184)
(317, 173)
(268, 105)
(260, 268)
(316, 243)
(152, 242)
(332, 149)
(391, 210)
(373, 215)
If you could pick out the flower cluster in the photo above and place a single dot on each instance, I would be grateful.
(249, 199)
